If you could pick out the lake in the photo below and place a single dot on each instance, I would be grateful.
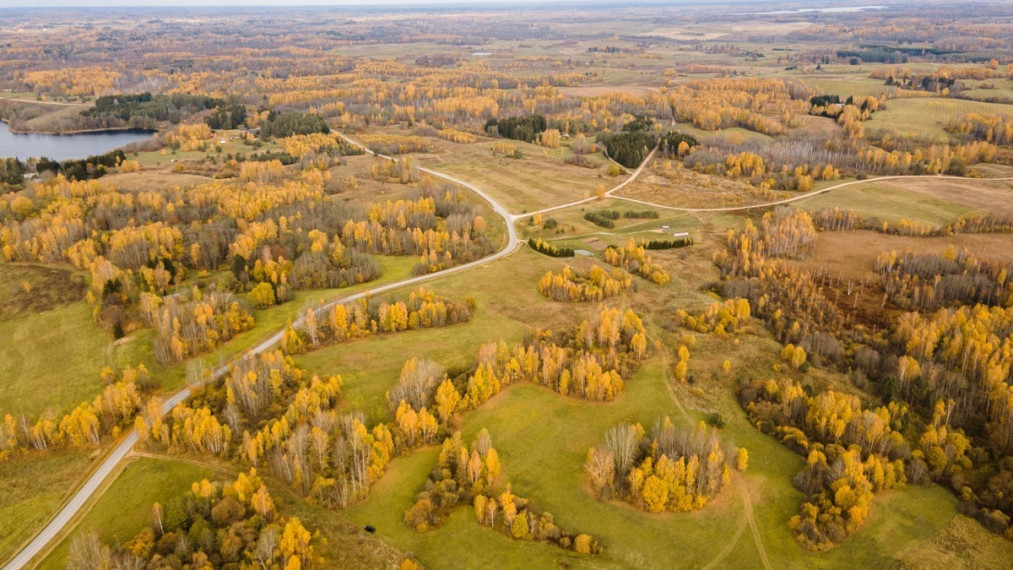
(64, 147)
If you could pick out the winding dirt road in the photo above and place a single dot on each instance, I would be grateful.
(77, 501)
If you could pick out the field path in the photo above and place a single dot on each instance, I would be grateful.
(747, 502)
(740, 482)
(730, 545)
(804, 196)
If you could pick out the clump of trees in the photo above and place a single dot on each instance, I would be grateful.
(731, 316)
(195, 322)
(211, 526)
(524, 128)
(288, 123)
(628, 148)
(667, 244)
(632, 257)
(595, 285)
(86, 425)
(986, 127)
(590, 362)
(12, 173)
(852, 451)
(231, 116)
(546, 248)
(344, 321)
(673, 469)
(269, 413)
(602, 218)
(464, 476)
(144, 110)
(641, 214)
(82, 169)
(930, 281)
(832, 107)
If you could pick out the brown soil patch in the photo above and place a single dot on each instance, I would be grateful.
(34, 289)
(594, 243)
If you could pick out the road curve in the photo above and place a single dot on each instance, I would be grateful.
(614, 189)
(108, 465)
(809, 194)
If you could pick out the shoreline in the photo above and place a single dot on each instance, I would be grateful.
(13, 131)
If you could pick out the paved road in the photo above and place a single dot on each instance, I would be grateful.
(108, 465)
(78, 500)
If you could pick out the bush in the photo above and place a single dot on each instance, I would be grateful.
(715, 420)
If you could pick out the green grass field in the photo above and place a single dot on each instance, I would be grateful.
(925, 118)
(30, 347)
(125, 509)
(43, 320)
(371, 366)
(838, 80)
(883, 201)
(31, 487)
(573, 229)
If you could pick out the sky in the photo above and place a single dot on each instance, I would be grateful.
(291, 3)
(205, 3)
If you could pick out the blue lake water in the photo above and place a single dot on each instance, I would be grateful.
(64, 147)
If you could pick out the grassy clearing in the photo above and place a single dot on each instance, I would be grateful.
(734, 135)
(31, 487)
(125, 509)
(51, 388)
(44, 321)
(573, 228)
(543, 438)
(538, 180)
(30, 347)
(138, 348)
(925, 118)
(551, 474)
(886, 201)
(671, 184)
(988, 89)
(505, 307)
(153, 179)
(834, 81)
